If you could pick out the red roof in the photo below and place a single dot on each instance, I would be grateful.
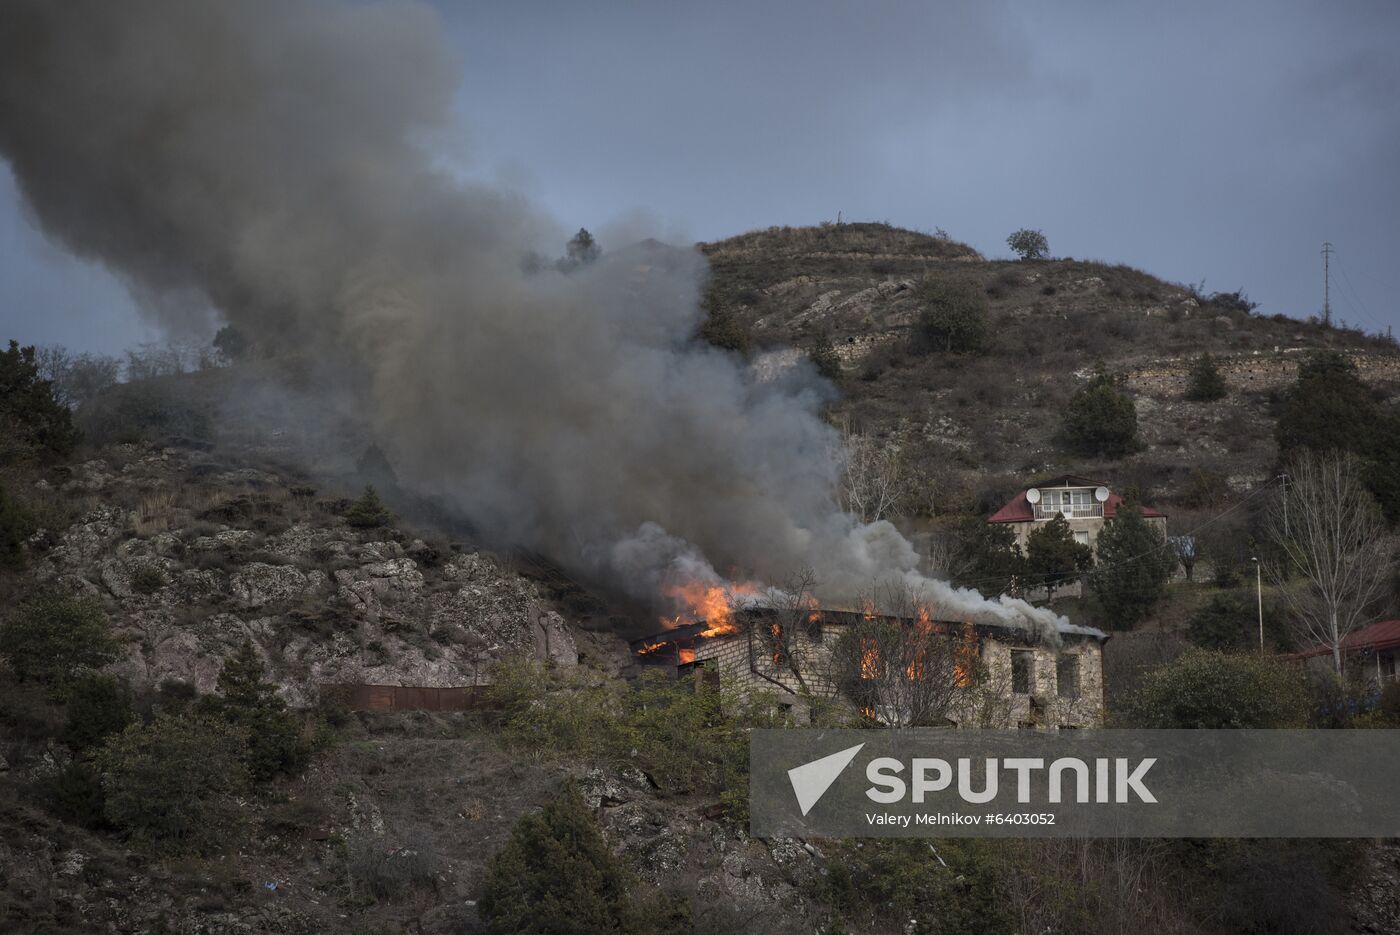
(1018, 508)
(1378, 637)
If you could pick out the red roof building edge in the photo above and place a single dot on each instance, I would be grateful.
(1378, 637)
(1018, 510)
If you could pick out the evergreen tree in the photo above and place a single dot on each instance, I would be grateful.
(557, 875)
(1328, 408)
(16, 525)
(247, 701)
(1135, 563)
(368, 511)
(52, 639)
(1206, 383)
(30, 415)
(990, 559)
(824, 357)
(1101, 419)
(1053, 557)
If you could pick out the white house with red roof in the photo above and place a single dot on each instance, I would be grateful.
(1084, 503)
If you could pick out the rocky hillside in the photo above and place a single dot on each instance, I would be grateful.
(189, 554)
(190, 558)
(978, 427)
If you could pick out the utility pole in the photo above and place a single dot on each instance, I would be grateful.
(1259, 592)
(1327, 283)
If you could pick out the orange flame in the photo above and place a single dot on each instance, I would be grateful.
(687, 655)
(710, 603)
(869, 659)
(965, 659)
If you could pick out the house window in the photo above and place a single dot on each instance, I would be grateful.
(1022, 671)
(1067, 676)
(1081, 536)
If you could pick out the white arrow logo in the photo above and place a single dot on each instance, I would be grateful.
(811, 780)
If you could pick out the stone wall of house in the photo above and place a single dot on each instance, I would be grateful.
(1043, 706)
(998, 706)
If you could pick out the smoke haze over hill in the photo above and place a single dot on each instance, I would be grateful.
(266, 158)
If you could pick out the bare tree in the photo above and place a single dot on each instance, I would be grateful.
(1333, 538)
(875, 480)
(784, 638)
(76, 378)
(901, 667)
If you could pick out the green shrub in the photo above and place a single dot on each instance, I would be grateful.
(171, 784)
(248, 702)
(723, 330)
(823, 356)
(1220, 622)
(954, 319)
(368, 511)
(1206, 384)
(686, 739)
(98, 706)
(1389, 704)
(148, 579)
(1100, 419)
(556, 874)
(1204, 689)
(950, 886)
(50, 639)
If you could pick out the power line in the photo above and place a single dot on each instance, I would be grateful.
(1355, 296)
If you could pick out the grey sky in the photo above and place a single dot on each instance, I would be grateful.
(1222, 141)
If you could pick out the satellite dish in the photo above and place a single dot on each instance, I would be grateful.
(1101, 494)
(1032, 496)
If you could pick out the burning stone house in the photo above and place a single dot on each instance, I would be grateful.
(997, 675)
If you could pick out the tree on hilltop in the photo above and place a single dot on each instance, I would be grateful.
(1029, 244)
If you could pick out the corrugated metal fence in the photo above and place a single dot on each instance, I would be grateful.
(406, 697)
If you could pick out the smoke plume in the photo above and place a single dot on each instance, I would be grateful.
(269, 158)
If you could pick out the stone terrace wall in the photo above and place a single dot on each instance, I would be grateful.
(1255, 372)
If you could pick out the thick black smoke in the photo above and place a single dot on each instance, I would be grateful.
(267, 157)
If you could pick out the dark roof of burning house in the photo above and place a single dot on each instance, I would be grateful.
(688, 635)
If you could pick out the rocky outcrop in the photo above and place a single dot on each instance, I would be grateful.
(321, 605)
